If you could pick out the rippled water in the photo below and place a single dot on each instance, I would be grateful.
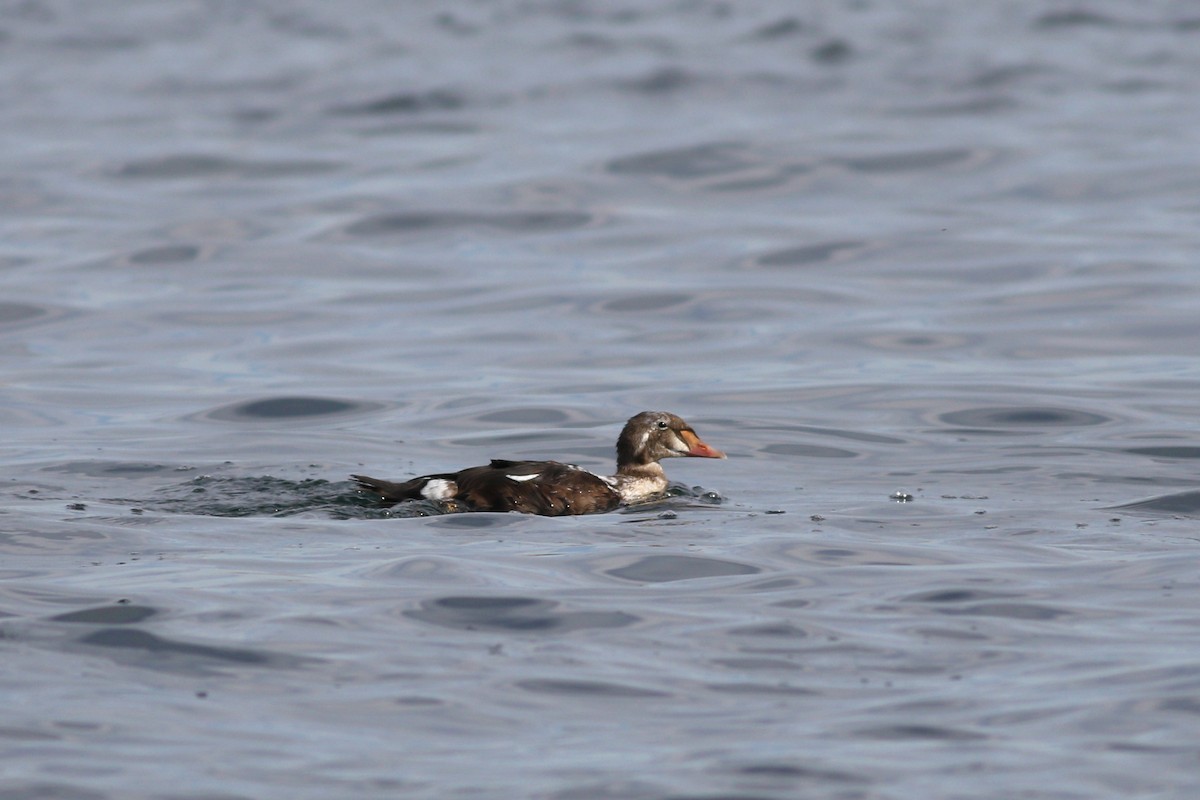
(929, 249)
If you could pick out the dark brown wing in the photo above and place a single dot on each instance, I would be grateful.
(554, 490)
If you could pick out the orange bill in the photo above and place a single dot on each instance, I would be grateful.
(698, 448)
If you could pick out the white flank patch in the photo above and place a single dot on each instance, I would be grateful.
(439, 489)
(522, 477)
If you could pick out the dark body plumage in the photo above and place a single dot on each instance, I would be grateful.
(553, 489)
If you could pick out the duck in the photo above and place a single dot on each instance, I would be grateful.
(553, 489)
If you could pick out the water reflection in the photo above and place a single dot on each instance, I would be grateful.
(166, 254)
(664, 569)
(151, 651)
(586, 689)
(698, 161)
(288, 408)
(514, 614)
(120, 614)
(407, 103)
(1182, 503)
(805, 255)
(189, 165)
(19, 312)
(402, 223)
(1022, 417)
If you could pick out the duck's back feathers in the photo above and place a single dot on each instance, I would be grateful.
(535, 487)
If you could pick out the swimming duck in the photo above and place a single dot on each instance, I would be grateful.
(554, 489)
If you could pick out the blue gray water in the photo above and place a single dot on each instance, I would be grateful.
(938, 249)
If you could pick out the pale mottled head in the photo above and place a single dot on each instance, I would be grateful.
(654, 435)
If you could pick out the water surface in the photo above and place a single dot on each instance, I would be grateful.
(868, 250)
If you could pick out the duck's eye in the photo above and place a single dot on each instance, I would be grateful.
(662, 425)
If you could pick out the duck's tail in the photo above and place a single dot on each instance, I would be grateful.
(391, 490)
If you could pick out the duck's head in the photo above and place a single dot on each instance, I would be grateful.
(654, 435)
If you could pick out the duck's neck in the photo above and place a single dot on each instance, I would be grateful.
(636, 482)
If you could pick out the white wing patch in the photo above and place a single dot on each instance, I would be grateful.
(439, 489)
(523, 477)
